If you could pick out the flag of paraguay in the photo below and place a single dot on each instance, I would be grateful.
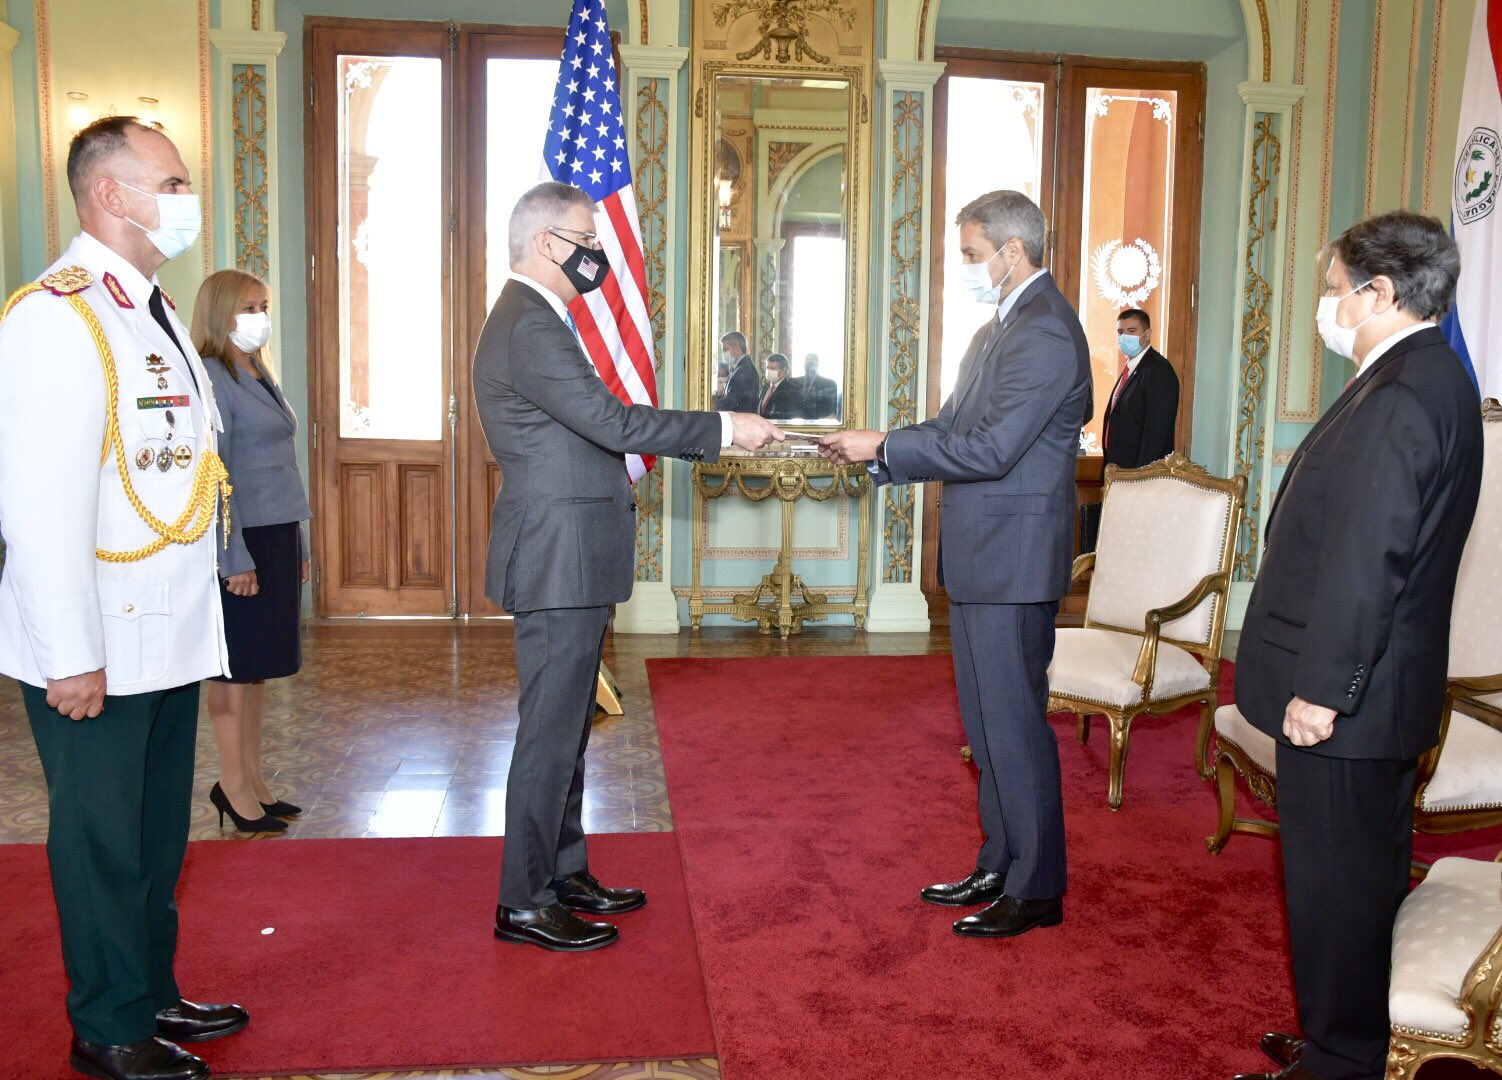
(1475, 326)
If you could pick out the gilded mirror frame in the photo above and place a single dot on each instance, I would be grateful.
(703, 227)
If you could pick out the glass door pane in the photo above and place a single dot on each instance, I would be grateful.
(1126, 234)
(391, 237)
(518, 100)
(1010, 156)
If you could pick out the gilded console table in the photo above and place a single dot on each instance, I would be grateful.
(788, 478)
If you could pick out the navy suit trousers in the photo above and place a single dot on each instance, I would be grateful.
(1001, 658)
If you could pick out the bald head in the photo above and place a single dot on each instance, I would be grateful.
(116, 167)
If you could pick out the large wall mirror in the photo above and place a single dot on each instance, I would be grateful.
(777, 328)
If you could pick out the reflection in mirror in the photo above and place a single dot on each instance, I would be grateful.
(780, 248)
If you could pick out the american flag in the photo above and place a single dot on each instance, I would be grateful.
(586, 147)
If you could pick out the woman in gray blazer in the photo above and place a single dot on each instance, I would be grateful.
(264, 563)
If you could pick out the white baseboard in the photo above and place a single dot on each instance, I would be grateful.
(898, 609)
(652, 609)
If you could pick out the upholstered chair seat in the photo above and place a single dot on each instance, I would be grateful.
(1097, 665)
(1447, 944)
(1161, 578)
(1468, 775)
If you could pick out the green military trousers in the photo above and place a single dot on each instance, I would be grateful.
(119, 789)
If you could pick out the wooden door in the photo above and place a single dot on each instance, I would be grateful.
(1132, 134)
(509, 77)
(380, 328)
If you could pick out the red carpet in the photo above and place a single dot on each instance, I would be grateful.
(382, 958)
(814, 797)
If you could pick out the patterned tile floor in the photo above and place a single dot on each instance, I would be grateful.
(406, 729)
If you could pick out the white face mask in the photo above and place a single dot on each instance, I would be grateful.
(1339, 339)
(976, 279)
(179, 221)
(252, 331)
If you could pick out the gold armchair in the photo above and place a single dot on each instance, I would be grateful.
(1446, 985)
(1155, 619)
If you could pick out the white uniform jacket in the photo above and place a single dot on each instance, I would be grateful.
(152, 624)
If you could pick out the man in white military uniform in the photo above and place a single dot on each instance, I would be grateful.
(109, 601)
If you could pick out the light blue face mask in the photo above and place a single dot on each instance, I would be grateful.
(1130, 345)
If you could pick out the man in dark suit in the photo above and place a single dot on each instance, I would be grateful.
(743, 388)
(562, 541)
(1344, 650)
(1004, 445)
(821, 395)
(780, 397)
(1140, 420)
(1139, 426)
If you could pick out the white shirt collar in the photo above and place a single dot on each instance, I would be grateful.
(1009, 301)
(94, 252)
(1134, 361)
(1386, 345)
(554, 301)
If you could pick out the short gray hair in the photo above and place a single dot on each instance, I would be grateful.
(1005, 214)
(1414, 251)
(538, 209)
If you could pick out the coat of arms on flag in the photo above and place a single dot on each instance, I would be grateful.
(1476, 177)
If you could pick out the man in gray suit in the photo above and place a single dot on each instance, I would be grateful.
(1004, 446)
(562, 545)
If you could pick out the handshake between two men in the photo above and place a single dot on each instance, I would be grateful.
(751, 432)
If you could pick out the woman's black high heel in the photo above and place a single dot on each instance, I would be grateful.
(262, 824)
(281, 808)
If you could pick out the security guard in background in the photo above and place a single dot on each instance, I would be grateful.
(109, 602)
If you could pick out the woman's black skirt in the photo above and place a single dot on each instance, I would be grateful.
(264, 631)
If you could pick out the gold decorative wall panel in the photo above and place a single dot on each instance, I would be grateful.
(1256, 332)
(252, 178)
(652, 197)
(905, 264)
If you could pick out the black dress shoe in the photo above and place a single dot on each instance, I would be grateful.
(1010, 916)
(1294, 1071)
(553, 927)
(583, 892)
(281, 808)
(981, 887)
(1283, 1050)
(149, 1059)
(189, 1022)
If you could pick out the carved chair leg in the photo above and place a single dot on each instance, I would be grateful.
(1203, 762)
(1225, 794)
(1402, 1059)
(1121, 727)
(1084, 728)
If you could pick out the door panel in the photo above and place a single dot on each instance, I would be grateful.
(380, 322)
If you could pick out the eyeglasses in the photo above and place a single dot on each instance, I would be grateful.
(589, 237)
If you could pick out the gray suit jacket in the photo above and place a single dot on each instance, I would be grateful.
(563, 531)
(259, 448)
(1004, 445)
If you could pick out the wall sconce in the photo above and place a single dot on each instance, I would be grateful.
(727, 171)
(148, 110)
(79, 116)
(724, 194)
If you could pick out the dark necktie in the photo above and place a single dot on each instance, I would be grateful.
(159, 313)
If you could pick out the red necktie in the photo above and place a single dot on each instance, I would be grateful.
(1105, 439)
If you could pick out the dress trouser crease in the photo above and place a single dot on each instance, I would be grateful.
(558, 653)
(1347, 840)
(1001, 658)
(119, 791)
